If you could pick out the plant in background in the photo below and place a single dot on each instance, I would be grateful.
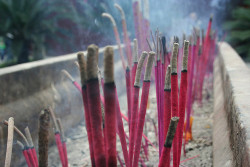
(239, 28)
(27, 23)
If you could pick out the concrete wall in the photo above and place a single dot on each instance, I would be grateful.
(232, 97)
(28, 88)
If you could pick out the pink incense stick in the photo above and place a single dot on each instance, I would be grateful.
(174, 97)
(128, 89)
(110, 107)
(117, 37)
(182, 97)
(126, 38)
(165, 156)
(60, 148)
(94, 105)
(136, 13)
(134, 114)
(82, 65)
(167, 102)
(143, 107)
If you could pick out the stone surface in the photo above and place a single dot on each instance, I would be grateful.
(235, 77)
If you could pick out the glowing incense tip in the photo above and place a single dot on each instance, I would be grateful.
(185, 55)
(167, 85)
(171, 131)
(174, 58)
(108, 65)
(135, 51)
(82, 67)
(120, 10)
(66, 73)
(28, 136)
(92, 69)
(139, 68)
(149, 66)
(107, 15)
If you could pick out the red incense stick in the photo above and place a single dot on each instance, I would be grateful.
(165, 156)
(25, 154)
(94, 105)
(143, 107)
(57, 137)
(59, 122)
(182, 97)
(126, 38)
(117, 37)
(174, 97)
(134, 114)
(31, 145)
(110, 107)
(167, 102)
(82, 65)
(128, 89)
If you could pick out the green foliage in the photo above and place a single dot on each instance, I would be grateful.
(39, 28)
(239, 28)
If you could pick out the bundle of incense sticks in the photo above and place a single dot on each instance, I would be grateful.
(28, 148)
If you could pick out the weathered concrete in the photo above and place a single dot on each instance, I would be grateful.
(235, 79)
(28, 88)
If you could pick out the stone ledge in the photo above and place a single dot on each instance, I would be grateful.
(236, 89)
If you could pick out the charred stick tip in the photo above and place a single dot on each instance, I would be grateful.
(135, 51)
(28, 136)
(168, 78)
(185, 55)
(92, 55)
(171, 131)
(108, 65)
(66, 73)
(120, 10)
(174, 58)
(139, 68)
(149, 66)
(82, 67)
(110, 17)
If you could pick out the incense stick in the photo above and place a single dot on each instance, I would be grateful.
(9, 142)
(83, 73)
(143, 106)
(31, 145)
(182, 97)
(110, 107)
(117, 37)
(59, 122)
(44, 121)
(135, 100)
(174, 97)
(165, 156)
(94, 105)
(126, 38)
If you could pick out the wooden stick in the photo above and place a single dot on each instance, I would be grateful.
(9, 142)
